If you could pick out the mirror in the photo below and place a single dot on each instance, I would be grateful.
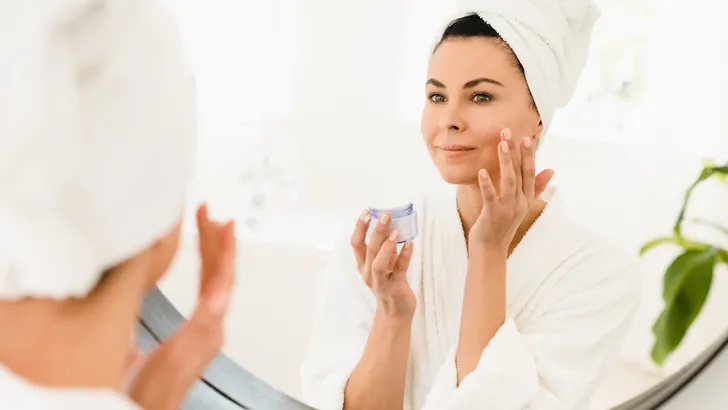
(309, 111)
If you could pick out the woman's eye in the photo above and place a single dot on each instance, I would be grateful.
(437, 98)
(481, 98)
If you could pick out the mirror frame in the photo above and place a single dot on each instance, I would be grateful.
(225, 385)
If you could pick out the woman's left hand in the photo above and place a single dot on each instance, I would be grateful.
(504, 211)
(161, 380)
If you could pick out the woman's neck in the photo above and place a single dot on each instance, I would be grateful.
(75, 342)
(470, 205)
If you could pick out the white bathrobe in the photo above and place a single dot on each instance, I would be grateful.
(571, 295)
(19, 394)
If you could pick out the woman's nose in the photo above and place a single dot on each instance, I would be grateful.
(452, 118)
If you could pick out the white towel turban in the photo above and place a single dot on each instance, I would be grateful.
(97, 128)
(550, 38)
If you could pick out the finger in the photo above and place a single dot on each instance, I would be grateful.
(542, 181)
(204, 223)
(208, 238)
(487, 190)
(515, 159)
(528, 166)
(381, 231)
(203, 217)
(220, 299)
(230, 249)
(217, 248)
(507, 175)
(201, 214)
(216, 285)
(215, 240)
(358, 238)
(403, 261)
(393, 260)
(383, 263)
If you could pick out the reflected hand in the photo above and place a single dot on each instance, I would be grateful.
(383, 268)
(161, 380)
(504, 211)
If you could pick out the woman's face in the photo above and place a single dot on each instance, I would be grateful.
(474, 90)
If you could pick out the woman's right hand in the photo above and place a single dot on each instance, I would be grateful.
(383, 268)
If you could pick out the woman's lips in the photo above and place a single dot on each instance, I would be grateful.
(455, 151)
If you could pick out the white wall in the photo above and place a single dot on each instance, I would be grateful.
(271, 311)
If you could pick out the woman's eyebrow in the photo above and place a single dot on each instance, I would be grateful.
(469, 84)
(473, 83)
(435, 83)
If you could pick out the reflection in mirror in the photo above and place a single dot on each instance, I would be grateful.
(344, 115)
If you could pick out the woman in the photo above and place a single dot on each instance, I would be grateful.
(97, 133)
(504, 301)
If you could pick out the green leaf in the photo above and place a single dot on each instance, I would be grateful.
(659, 241)
(660, 349)
(675, 239)
(721, 172)
(687, 283)
(718, 171)
(722, 256)
(681, 268)
(704, 174)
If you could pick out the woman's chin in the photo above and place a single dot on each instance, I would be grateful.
(458, 175)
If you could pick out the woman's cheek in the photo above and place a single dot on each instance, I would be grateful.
(428, 127)
(488, 133)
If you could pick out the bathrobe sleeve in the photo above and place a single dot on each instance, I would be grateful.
(555, 359)
(339, 334)
(17, 393)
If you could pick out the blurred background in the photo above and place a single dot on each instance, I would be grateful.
(309, 111)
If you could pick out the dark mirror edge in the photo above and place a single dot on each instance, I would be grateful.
(678, 382)
(227, 386)
(201, 395)
(223, 376)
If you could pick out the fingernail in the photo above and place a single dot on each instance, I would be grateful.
(504, 147)
(384, 219)
(481, 173)
(408, 244)
(506, 133)
(527, 142)
(365, 215)
(393, 236)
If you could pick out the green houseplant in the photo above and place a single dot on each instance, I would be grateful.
(688, 278)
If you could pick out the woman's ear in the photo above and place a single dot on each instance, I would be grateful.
(538, 131)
